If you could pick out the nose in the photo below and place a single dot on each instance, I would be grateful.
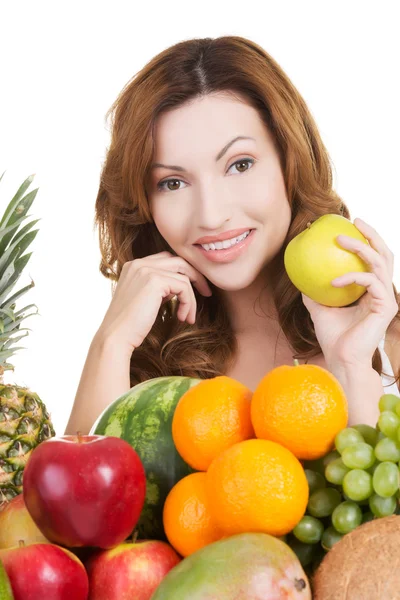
(212, 207)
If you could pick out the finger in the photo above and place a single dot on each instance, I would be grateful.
(179, 265)
(369, 280)
(375, 240)
(376, 262)
(163, 254)
(181, 287)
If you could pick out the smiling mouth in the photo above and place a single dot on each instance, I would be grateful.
(225, 244)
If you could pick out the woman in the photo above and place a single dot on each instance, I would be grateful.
(242, 158)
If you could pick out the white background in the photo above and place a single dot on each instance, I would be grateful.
(62, 66)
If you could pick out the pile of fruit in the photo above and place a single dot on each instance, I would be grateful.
(193, 489)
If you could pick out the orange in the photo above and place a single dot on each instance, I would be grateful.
(209, 417)
(302, 407)
(257, 486)
(186, 515)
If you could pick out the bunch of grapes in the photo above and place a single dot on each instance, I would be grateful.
(356, 482)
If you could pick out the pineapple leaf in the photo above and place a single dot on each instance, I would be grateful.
(7, 367)
(8, 273)
(13, 226)
(20, 312)
(10, 326)
(8, 312)
(20, 234)
(4, 354)
(2, 176)
(18, 294)
(19, 264)
(14, 202)
(15, 250)
(21, 209)
(1, 325)
(7, 336)
(12, 341)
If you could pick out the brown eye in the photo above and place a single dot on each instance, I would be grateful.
(166, 182)
(243, 161)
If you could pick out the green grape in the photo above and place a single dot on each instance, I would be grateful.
(371, 470)
(387, 449)
(369, 434)
(323, 502)
(380, 436)
(388, 423)
(330, 537)
(388, 402)
(309, 530)
(319, 464)
(385, 480)
(347, 437)
(358, 456)
(335, 471)
(367, 516)
(359, 502)
(382, 507)
(315, 480)
(346, 516)
(304, 552)
(397, 408)
(357, 485)
(333, 455)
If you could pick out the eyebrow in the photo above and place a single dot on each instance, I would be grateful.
(217, 158)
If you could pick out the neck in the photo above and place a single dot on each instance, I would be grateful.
(252, 309)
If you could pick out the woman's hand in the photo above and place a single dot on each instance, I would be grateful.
(349, 335)
(143, 286)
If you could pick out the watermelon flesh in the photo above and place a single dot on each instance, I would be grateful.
(143, 417)
(246, 566)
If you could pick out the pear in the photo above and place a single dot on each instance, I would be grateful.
(5, 587)
(313, 258)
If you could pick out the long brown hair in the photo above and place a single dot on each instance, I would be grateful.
(190, 69)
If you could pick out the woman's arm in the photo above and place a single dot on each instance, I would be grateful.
(104, 378)
(363, 388)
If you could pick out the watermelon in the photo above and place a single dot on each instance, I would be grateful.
(143, 418)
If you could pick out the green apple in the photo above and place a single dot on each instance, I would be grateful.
(313, 258)
(5, 587)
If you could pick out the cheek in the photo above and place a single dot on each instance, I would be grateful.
(169, 224)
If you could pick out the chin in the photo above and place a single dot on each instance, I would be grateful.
(239, 281)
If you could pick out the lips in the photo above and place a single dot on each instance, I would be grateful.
(227, 235)
(228, 254)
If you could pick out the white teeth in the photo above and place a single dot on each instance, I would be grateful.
(226, 243)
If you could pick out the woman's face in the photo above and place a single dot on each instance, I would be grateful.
(207, 196)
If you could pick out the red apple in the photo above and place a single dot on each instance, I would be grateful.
(45, 571)
(131, 570)
(85, 490)
(17, 524)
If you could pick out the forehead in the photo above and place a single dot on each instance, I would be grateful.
(205, 123)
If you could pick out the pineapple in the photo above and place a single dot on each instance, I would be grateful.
(24, 420)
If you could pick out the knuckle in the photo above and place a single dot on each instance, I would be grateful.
(152, 276)
(143, 269)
